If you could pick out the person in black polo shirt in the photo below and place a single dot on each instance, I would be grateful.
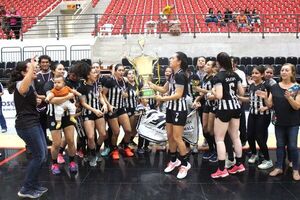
(285, 99)
(28, 125)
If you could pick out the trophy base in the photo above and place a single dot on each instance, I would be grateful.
(147, 93)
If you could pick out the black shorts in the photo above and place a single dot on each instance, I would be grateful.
(208, 109)
(116, 113)
(91, 116)
(227, 115)
(176, 117)
(65, 122)
(130, 111)
(214, 109)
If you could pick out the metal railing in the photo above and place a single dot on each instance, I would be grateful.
(94, 24)
(56, 52)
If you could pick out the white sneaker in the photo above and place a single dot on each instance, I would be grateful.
(183, 171)
(93, 161)
(266, 164)
(172, 165)
(229, 163)
(194, 149)
(253, 159)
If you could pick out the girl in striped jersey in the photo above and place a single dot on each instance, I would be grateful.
(92, 113)
(176, 114)
(208, 115)
(114, 92)
(227, 84)
(132, 100)
(66, 125)
(258, 119)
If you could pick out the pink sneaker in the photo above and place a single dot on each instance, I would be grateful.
(237, 169)
(80, 153)
(55, 169)
(60, 159)
(183, 171)
(172, 165)
(73, 167)
(220, 174)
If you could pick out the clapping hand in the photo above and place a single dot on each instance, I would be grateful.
(196, 105)
(262, 94)
(288, 94)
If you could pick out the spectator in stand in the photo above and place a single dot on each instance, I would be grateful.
(3, 21)
(228, 16)
(220, 18)
(255, 19)
(211, 17)
(242, 21)
(167, 12)
(248, 14)
(235, 13)
(14, 21)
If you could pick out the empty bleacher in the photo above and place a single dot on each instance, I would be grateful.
(278, 15)
(30, 10)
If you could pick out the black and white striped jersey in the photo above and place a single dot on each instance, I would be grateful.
(230, 82)
(207, 84)
(91, 95)
(47, 88)
(257, 102)
(132, 96)
(115, 90)
(152, 103)
(177, 80)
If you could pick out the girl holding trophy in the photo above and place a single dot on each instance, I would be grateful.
(176, 114)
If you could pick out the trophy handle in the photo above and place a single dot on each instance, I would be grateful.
(156, 60)
(130, 60)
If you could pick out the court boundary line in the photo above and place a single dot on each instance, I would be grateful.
(6, 160)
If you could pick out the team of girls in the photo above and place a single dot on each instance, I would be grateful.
(114, 101)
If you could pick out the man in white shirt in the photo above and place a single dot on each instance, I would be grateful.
(242, 75)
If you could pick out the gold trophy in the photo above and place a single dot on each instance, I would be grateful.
(144, 65)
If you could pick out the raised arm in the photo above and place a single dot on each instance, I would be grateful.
(161, 89)
(27, 80)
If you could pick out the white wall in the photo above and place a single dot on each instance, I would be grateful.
(111, 49)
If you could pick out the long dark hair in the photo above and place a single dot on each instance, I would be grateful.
(81, 69)
(16, 75)
(53, 67)
(184, 60)
(224, 61)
